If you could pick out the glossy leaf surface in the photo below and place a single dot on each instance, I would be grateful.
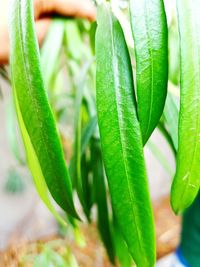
(44, 149)
(121, 139)
(187, 179)
(149, 26)
(34, 166)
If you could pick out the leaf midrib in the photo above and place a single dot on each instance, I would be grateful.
(30, 86)
(121, 134)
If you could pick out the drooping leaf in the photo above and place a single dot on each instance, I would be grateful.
(167, 135)
(171, 114)
(87, 185)
(35, 167)
(11, 123)
(41, 140)
(75, 166)
(174, 53)
(49, 56)
(121, 248)
(160, 156)
(74, 45)
(87, 133)
(149, 26)
(101, 199)
(187, 179)
(92, 36)
(121, 139)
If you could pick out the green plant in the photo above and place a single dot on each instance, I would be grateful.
(187, 180)
(121, 138)
(126, 118)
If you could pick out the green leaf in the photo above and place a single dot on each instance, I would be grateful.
(35, 167)
(121, 139)
(11, 123)
(92, 36)
(42, 143)
(50, 54)
(75, 166)
(120, 247)
(87, 133)
(149, 26)
(87, 185)
(101, 199)
(171, 114)
(74, 40)
(187, 179)
(160, 156)
(163, 130)
(174, 53)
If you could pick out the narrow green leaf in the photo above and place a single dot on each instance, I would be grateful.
(44, 147)
(121, 248)
(167, 135)
(174, 53)
(101, 199)
(160, 156)
(92, 36)
(11, 122)
(34, 165)
(187, 179)
(74, 40)
(75, 167)
(121, 139)
(87, 133)
(75, 164)
(87, 185)
(171, 114)
(49, 56)
(149, 26)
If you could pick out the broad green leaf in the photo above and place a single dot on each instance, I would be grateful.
(101, 199)
(121, 139)
(187, 179)
(149, 27)
(44, 148)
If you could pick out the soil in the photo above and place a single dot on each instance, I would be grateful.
(93, 254)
